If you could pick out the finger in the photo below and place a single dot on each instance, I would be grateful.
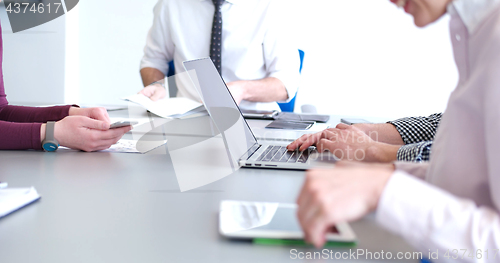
(331, 134)
(100, 114)
(342, 126)
(304, 209)
(316, 228)
(94, 124)
(295, 144)
(310, 141)
(316, 222)
(113, 133)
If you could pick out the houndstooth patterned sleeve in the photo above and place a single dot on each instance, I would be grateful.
(415, 152)
(417, 129)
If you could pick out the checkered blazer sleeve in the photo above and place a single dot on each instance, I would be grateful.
(417, 129)
(415, 152)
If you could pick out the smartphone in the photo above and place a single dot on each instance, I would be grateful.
(351, 121)
(120, 124)
(259, 114)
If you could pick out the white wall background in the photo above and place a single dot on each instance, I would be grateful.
(366, 58)
(33, 62)
(111, 37)
(363, 57)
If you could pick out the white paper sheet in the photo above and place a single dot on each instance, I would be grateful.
(12, 199)
(165, 107)
(238, 216)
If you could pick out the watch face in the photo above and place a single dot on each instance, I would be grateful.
(50, 147)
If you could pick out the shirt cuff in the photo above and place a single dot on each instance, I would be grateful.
(406, 206)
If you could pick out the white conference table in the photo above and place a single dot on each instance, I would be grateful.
(119, 207)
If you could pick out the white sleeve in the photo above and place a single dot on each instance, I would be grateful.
(431, 218)
(280, 49)
(159, 48)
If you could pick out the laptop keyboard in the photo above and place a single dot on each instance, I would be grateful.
(282, 155)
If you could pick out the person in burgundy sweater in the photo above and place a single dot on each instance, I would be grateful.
(83, 129)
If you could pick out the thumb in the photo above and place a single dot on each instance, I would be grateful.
(94, 124)
(100, 114)
(146, 91)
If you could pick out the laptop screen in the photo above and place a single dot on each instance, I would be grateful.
(221, 107)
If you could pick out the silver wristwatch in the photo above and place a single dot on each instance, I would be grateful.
(50, 143)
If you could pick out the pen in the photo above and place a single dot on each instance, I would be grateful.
(3, 185)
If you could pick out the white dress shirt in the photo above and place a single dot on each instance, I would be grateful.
(457, 206)
(255, 45)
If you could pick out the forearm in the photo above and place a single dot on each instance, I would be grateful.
(150, 75)
(33, 114)
(264, 90)
(20, 136)
(382, 152)
(381, 132)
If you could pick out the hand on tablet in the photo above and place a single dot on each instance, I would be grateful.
(339, 195)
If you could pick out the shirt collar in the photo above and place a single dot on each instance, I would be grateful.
(229, 1)
(472, 12)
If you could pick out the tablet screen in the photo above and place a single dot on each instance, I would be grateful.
(285, 219)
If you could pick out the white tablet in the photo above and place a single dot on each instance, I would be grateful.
(257, 220)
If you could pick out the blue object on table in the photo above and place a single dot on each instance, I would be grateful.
(424, 260)
(290, 106)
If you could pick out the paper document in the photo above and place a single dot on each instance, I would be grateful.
(126, 146)
(167, 107)
(237, 216)
(12, 199)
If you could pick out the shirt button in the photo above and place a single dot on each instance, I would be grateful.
(458, 37)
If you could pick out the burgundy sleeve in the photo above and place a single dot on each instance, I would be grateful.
(20, 136)
(33, 114)
(20, 126)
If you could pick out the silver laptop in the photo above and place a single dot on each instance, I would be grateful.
(240, 141)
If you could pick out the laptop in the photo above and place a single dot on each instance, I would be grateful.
(240, 141)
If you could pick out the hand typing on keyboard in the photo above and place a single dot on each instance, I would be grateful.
(282, 154)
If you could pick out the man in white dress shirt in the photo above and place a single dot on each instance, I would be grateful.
(255, 57)
(451, 205)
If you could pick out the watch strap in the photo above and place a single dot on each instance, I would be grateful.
(49, 131)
